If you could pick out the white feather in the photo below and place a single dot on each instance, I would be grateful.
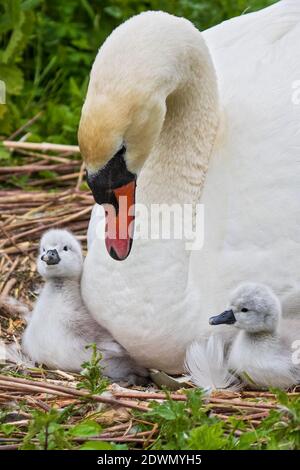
(206, 363)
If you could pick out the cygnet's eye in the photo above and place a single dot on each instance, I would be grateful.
(66, 248)
(244, 309)
(43, 249)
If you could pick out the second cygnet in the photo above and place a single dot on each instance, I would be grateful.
(262, 353)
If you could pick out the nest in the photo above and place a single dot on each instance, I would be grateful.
(24, 215)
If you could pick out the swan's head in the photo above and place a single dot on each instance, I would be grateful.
(60, 255)
(116, 134)
(253, 308)
(135, 71)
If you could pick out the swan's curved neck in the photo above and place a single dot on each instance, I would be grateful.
(176, 167)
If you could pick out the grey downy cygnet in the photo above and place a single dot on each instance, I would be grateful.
(262, 353)
(60, 326)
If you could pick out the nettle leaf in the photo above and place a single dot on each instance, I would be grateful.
(165, 413)
(119, 446)
(96, 445)
(86, 429)
(12, 76)
(208, 437)
(247, 440)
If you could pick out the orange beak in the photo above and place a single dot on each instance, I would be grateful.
(120, 223)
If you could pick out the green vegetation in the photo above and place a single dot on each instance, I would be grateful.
(92, 373)
(180, 426)
(47, 49)
(47, 431)
(189, 425)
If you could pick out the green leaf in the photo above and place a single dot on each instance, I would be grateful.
(208, 437)
(96, 445)
(85, 429)
(119, 446)
(165, 412)
(246, 441)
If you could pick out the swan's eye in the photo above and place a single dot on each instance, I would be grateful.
(244, 310)
(66, 248)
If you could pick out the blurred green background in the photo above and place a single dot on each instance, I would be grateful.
(48, 47)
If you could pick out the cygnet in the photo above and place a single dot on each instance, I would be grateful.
(60, 326)
(263, 352)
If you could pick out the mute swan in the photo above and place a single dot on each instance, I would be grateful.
(60, 327)
(153, 115)
(262, 352)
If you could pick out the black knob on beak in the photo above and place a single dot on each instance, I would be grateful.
(51, 257)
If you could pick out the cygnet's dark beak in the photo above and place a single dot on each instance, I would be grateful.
(51, 257)
(226, 317)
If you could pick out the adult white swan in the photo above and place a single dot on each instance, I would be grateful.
(152, 110)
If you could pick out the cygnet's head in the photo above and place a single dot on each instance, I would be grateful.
(253, 308)
(60, 255)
